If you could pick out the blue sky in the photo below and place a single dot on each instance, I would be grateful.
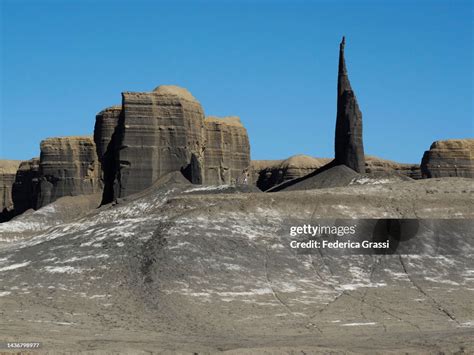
(273, 63)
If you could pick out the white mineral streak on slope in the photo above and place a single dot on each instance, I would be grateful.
(62, 269)
(75, 258)
(4, 293)
(36, 221)
(232, 267)
(14, 266)
(31, 222)
(97, 296)
(441, 281)
(48, 321)
(370, 181)
(87, 227)
(397, 275)
(357, 324)
(468, 275)
(208, 188)
(21, 226)
(360, 278)
(232, 224)
(139, 207)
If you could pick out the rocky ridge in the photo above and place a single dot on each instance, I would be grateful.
(26, 186)
(227, 150)
(454, 157)
(268, 173)
(8, 170)
(379, 165)
(68, 167)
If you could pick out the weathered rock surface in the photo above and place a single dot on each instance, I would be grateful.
(454, 157)
(379, 165)
(349, 146)
(107, 141)
(68, 167)
(268, 173)
(155, 133)
(227, 150)
(336, 176)
(25, 188)
(106, 122)
(159, 132)
(348, 143)
(8, 170)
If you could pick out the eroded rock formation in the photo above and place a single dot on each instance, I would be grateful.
(268, 173)
(105, 123)
(68, 167)
(227, 150)
(160, 132)
(379, 165)
(454, 157)
(8, 170)
(107, 140)
(25, 188)
(349, 147)
(154, 133)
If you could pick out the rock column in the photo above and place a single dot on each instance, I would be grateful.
(349, 148)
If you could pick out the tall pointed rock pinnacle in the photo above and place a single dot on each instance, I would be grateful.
(349, 147)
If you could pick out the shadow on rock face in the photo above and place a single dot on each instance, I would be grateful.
(397, 231)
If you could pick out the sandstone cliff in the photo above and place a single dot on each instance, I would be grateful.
(105, 123)
(25, 188)
(159, 133)
(8, 170)
(68, 167)
(268, 173)
(227, 150)
(154, 133)
(379, 165)
(107, 140)
(453, 157)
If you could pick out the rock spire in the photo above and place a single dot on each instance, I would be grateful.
(349, 147)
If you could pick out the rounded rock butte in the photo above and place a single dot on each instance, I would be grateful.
(176, 91)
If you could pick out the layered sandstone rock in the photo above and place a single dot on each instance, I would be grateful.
(155, 133)
(269, 173)
(25, 188)
(107, 141)
(68, 167)
(106, 122)
(8, 170)
(379, 165)
(454, 157)
(227, 150)
(158, 133)
(349, 147)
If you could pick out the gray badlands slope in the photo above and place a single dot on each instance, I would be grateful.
(186, 268)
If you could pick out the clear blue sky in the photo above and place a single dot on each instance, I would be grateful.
(273, 63)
